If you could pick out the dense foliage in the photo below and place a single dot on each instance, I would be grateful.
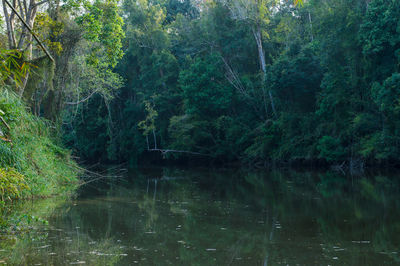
(329, 90)
(230, 81)
(54, 56)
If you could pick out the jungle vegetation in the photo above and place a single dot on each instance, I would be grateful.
(255, 82)
(44, 45)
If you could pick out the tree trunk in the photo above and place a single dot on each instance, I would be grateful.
(261, 57)
(162, 78)
(155, 139)
(311, 29)
(9, 18)
(26, 36)
(27, 19)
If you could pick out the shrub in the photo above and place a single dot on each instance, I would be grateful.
(12, 184)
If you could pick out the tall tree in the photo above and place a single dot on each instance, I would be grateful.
(257, 14)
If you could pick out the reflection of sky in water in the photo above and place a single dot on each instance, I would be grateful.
(199, 217)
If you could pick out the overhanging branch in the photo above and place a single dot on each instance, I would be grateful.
(178, 151)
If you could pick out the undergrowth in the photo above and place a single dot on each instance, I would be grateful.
(34, 163)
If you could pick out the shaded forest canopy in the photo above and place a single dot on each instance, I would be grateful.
(246, 81)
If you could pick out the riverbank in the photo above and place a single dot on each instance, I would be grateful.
(33, 162)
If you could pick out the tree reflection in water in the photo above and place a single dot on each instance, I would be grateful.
(223, 217)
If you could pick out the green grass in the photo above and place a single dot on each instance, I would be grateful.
(35, 152)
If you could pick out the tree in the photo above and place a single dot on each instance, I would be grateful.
(148, 125)
(204, 91)
(256, 14)
(28, 12)
(63, 28)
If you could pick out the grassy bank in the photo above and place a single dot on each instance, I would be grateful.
(33, 162)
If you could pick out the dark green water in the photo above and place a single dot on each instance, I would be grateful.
(218, 217)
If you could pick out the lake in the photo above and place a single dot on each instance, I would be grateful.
(170, 216)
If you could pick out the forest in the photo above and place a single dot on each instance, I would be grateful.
(199, 132)
(255, 82)
(251, 82)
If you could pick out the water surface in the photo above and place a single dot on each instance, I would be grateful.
(219, 217)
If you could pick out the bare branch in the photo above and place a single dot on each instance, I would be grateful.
(233, 78)
(25, 7)
(5, 123)
(83, 100)
(41, 3)
(178, 151)
(21, 8)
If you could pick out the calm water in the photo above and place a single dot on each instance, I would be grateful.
(218, 217)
